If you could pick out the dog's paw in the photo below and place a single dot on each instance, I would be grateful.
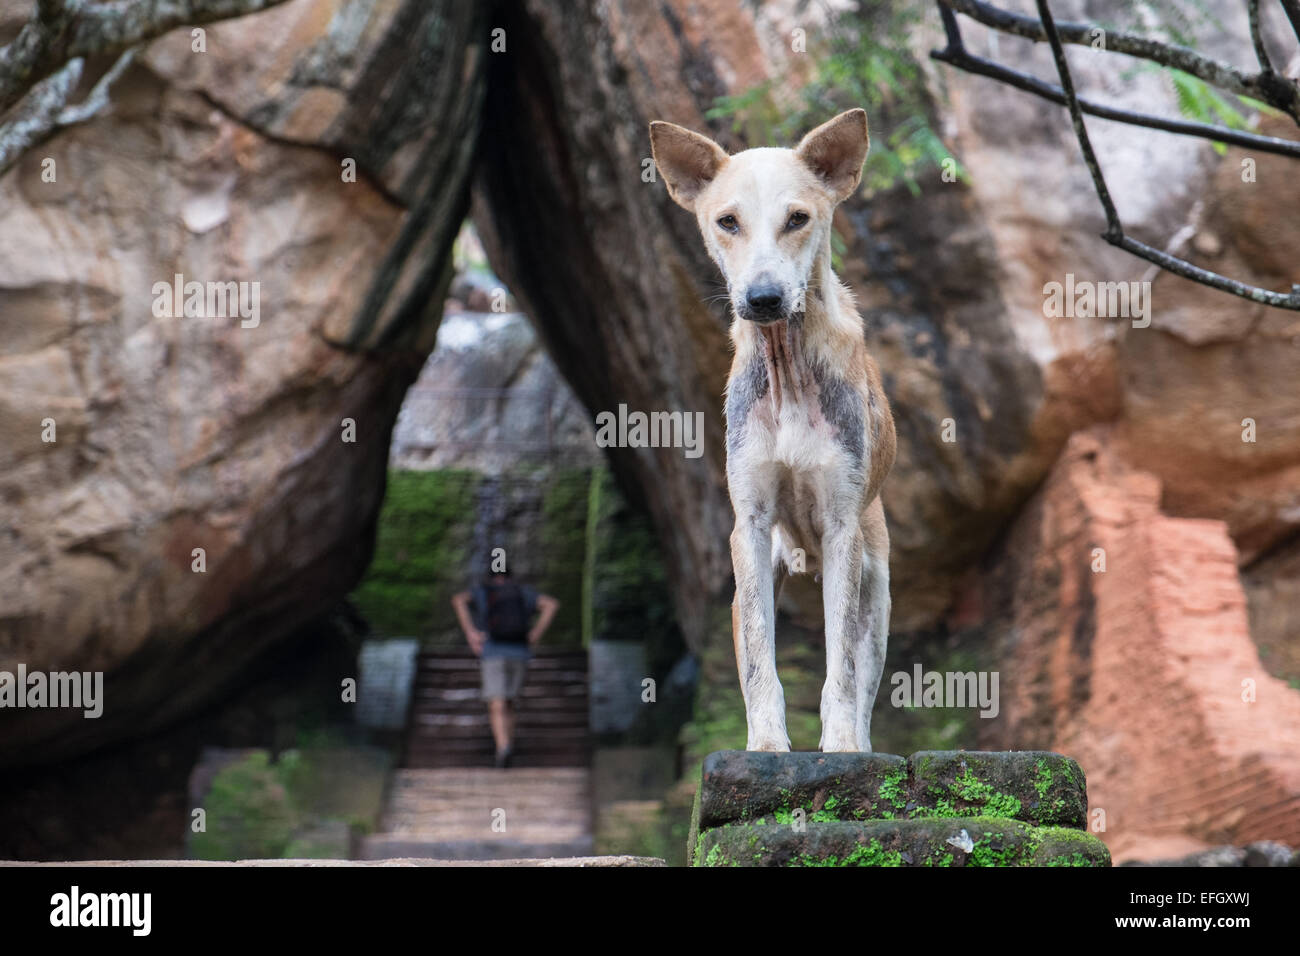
(770, 746)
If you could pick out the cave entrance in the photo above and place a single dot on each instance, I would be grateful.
(492, 455)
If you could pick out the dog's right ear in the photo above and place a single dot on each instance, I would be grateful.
(688, 161)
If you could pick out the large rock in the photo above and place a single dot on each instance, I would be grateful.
(1121, 636)
(181, 433)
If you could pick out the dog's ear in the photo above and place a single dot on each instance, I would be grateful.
(687, 161)
(836, 150)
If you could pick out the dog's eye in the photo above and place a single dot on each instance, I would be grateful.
(729, 223)
(796, 220)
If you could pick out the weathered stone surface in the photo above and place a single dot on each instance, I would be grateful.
(740, 787)
(976, 841)
(1039, 787)
(744, 785)
(1144, 671)
(182, 433)
(490, 398)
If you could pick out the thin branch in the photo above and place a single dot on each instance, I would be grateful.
(1292, 8)
(1271, 88)
(1257, 37)
(1181, 267)
(63, 30)
(97, 99)
(1114, 231)
(963, 60)
(44, 111)
(37, 118)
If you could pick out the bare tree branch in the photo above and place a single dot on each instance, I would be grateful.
(1257, 37)
(1114, 230)
(63, 30)
(1114, 233)
(959, 57)
(1272, 88)
(956, 54)
(44, 111)
(97, 99)
(1292, 8)
(37, 116)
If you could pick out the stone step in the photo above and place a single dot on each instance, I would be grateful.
(1038, 787)
(449, 814)
(383, 847)
(972, 841)
(767, 794)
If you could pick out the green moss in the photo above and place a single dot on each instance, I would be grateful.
(1074, 859)
(422, 551)
(865, 854)
(993, 849)
(1043, 779)
(894, 788)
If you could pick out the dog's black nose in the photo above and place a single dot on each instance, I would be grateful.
(764, 299)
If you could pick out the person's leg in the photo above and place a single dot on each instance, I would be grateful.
(501, 717)
(496, 691)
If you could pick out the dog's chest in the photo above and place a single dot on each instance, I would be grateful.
(796, 434)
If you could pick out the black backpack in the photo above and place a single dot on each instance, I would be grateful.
(507, 613)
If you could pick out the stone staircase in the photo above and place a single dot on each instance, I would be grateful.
(448, 726)
(448, 802)
(475, 813)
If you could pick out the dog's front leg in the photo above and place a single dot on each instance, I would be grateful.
(753, 619)
(841, 579)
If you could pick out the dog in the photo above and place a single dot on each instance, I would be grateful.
(810, 435)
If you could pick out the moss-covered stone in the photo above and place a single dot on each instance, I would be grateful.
(975, 841)
(1039, 787)
(739, 786)
(422, 552)
(937, 808)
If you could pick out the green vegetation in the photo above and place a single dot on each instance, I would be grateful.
(249, 813)
(563, 547)
(862, 59)
(308, 803)
(422, 551)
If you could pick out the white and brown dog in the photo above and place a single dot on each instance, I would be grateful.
(810, 437)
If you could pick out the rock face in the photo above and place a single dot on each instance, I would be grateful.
(128, 439)
(1122, 635)
(490, 398)
(227, 435)
(935, 808)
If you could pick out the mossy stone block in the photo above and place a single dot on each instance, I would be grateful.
(975, 841)
(1033, 786)
(741, 786)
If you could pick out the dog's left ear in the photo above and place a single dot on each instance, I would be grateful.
(836, 150)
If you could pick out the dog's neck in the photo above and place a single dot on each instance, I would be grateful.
(792, 348)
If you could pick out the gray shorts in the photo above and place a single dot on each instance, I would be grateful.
(503, 677)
